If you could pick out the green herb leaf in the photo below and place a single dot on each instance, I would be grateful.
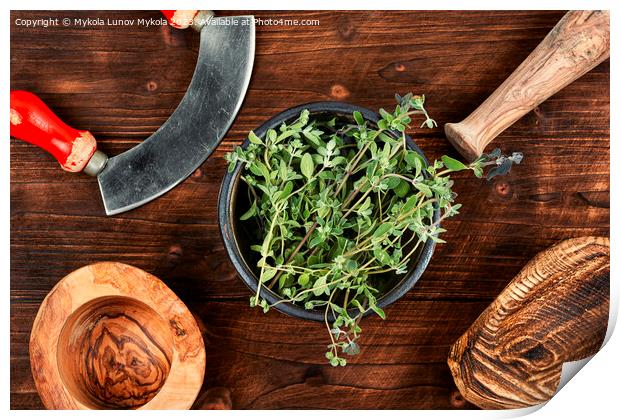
(251, 212)
(402, 189)
(453, 164)
(268, 274)
(307, 165)
(392, 182)
(425, 189)
(410, 204)
(351, 348)
(333, 207)
(381, 256)
(378, 311)
(357, 116)
(320, 286)
(382, 230)
(254, 138)
(303, 280)
(272, 135)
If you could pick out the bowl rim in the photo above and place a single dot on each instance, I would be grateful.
(226, 201)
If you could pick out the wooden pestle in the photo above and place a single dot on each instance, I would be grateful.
(577, 44)
(554, 311)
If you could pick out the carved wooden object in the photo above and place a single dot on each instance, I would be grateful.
(554, 311)
(577, 44)
(113, 336)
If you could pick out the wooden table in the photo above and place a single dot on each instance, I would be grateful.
(121, 83)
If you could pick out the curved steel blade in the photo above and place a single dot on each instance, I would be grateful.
(196, 127)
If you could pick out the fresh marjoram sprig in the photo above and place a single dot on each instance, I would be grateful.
(340, 207)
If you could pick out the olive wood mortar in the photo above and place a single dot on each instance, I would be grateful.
(577, 44)
(554, 311)
(111, 336)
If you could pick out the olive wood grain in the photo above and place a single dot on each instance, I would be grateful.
(554, 311)
(111, 336)
(123, 84)
(577, 44)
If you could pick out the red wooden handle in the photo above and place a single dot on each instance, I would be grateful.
(34, 122)
(180, 19)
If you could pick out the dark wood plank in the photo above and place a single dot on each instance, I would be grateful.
(123, 83)
(402, 363)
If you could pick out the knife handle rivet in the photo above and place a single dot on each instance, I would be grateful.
(96, 164)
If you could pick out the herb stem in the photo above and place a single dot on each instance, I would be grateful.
(338, 204)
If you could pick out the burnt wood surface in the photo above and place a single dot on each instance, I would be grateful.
(122, 83)
(554, 311)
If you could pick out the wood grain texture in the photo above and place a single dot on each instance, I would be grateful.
(110, 335)
(122, 83)
(115, 353)
(577, 44)
(554, 311)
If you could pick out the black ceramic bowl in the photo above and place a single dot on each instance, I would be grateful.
(238, 236)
